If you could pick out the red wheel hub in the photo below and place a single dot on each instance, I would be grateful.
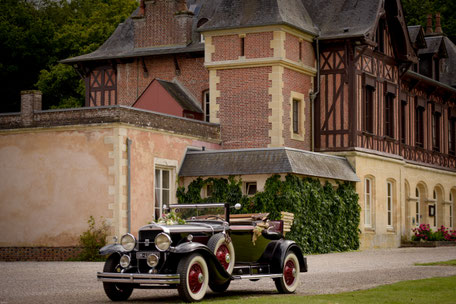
(289, 272)
(195, 278)
(223, 255)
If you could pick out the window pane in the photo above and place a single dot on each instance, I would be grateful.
(157, 179)
(165, 177)
(165, 197)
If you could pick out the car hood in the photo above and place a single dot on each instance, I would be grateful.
(189, 227)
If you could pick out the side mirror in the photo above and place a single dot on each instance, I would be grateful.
(237, 206)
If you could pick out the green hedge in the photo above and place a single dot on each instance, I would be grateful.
(326, 219)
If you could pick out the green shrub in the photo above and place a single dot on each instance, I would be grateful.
(325, 219)
(91, 241)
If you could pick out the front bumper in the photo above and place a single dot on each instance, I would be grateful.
(138, 278)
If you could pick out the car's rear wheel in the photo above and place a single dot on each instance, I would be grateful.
(289, 282)
(223, 250)
(194, 278)
(115, 291)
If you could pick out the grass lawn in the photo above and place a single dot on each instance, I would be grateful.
(446, 263)
(435, 290)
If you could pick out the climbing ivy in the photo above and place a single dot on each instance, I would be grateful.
(326, 219)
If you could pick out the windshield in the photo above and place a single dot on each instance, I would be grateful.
(191, 212)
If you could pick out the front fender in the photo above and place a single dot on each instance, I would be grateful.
(111, 248)
(217, 272)
(276, 252)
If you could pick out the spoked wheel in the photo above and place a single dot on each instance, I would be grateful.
(115, 291)
(223, 250)
(194, 278)
(290, 280)
(224, 253)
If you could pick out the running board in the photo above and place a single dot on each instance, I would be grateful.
(257, 276)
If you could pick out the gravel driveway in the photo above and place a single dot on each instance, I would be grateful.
(75, 282)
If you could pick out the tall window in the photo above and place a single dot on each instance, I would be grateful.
(162, 190)
(436, 131)
(389, 115)
(242, 46)
(389, 203)
(451, 137)
(368, 202)
(417, 206)
(368, 122)
(451, 210)
(403, 122)
(206, 106)
(435, 208)
(419, 127)
(296, 118)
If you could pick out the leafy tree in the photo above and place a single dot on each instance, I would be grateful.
(416, 12)
(36, 34)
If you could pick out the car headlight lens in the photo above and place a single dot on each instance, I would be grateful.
(124, 261)
(152, 260)
(162, 241)
(128, 242)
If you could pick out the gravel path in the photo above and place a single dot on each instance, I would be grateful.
(75, 282)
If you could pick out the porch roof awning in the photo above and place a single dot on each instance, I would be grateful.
(266, 161)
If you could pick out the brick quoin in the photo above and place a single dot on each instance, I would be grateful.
(244, 107)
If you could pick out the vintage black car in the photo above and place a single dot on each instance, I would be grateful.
(205, 251)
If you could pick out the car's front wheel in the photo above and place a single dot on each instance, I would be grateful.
(115, 291)
(194, 278)
(289, 282)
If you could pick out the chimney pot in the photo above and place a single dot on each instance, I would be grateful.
(438, 26)
(429, 29)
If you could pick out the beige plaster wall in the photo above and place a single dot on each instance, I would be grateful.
(51, 181)
(150, 149)
(405, 178)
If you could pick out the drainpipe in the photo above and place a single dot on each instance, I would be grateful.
(129, 185)
(314, 94)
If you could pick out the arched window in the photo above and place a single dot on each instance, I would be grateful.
(417, 211)
(368, 202)
(389, 204)
(451, 210)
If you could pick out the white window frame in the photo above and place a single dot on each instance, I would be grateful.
(417, 207)
(164, 165)
(248, 185)
(389, 204)
(368, 203)
(159, 187)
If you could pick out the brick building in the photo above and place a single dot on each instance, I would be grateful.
(262, 78)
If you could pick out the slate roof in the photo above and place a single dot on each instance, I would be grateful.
(266, 161)
(448, 72)
(416, 34)
(343, 18)
(246, 13)
(185, 100)
(435, 44)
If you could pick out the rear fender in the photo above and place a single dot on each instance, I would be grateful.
(276, 252)
(217, 272)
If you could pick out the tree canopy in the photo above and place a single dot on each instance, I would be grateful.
(416, 12)
(36, 34)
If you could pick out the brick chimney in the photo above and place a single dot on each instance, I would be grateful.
(429, 30)
(163, 23)
(31, 102)
(438, 26)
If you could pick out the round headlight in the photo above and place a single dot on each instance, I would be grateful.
(128, 242)
(152, 260)
(124, 261)
(162, 242)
